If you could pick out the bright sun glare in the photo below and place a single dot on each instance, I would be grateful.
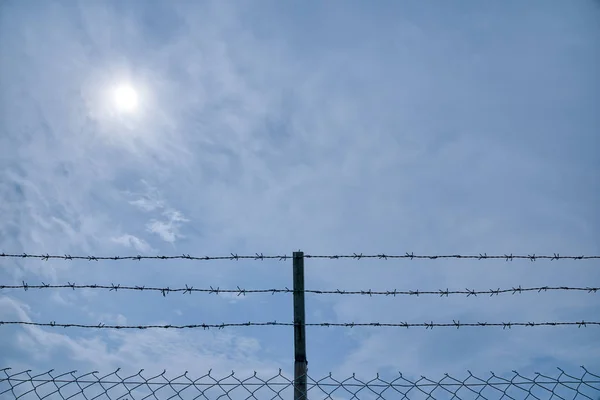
(126, 98)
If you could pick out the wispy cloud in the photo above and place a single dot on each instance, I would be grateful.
(151, 350)
(133, 242)
(274, 127)
(169, 228)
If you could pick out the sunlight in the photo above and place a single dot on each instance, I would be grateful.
(125, 98)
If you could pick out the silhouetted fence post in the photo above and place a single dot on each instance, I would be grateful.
(300, 362)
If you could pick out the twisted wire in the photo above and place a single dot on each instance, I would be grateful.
(284, 257)
(188, 289)
(426, 325)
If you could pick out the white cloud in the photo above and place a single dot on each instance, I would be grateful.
(134, 242)
(168, 225)
(151, 350)
(232, 298)
(147, 204)
(168, 229)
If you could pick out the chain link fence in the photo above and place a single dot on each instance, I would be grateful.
(26, 385)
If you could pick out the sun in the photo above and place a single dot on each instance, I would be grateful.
(125, 98)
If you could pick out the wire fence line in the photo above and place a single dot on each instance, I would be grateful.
(24, 385)
(426, 325)
(284, 257)
(242, 292)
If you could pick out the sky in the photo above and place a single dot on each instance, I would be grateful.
(327, 127)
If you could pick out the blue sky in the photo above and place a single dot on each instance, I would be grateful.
(331, 127)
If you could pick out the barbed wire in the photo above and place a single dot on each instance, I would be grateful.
(426, 325)
(484, 256)
(231, 257)
(242, 292)
(261, 256)
(70, 385)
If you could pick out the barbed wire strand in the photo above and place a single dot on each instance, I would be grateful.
(242, 292)
(114, 386)
(261, 256)
(426, 325)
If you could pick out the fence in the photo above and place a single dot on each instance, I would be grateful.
(48, 385)
(26, 385)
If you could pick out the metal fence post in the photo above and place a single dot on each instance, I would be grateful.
(300, 362)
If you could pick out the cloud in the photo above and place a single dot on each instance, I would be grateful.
(151, 201)
(168, 229)
(379, 129)
(147, 204)
(232, 298)
(134, 242)
(150, 350)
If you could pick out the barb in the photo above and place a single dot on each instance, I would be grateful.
(426, 325)
(261, 256)
(242, 292)
(73, 385)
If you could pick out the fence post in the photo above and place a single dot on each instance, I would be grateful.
(300, 362)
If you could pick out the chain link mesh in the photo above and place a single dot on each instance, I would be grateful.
(25, 385)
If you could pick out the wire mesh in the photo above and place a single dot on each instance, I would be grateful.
(25, 385)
